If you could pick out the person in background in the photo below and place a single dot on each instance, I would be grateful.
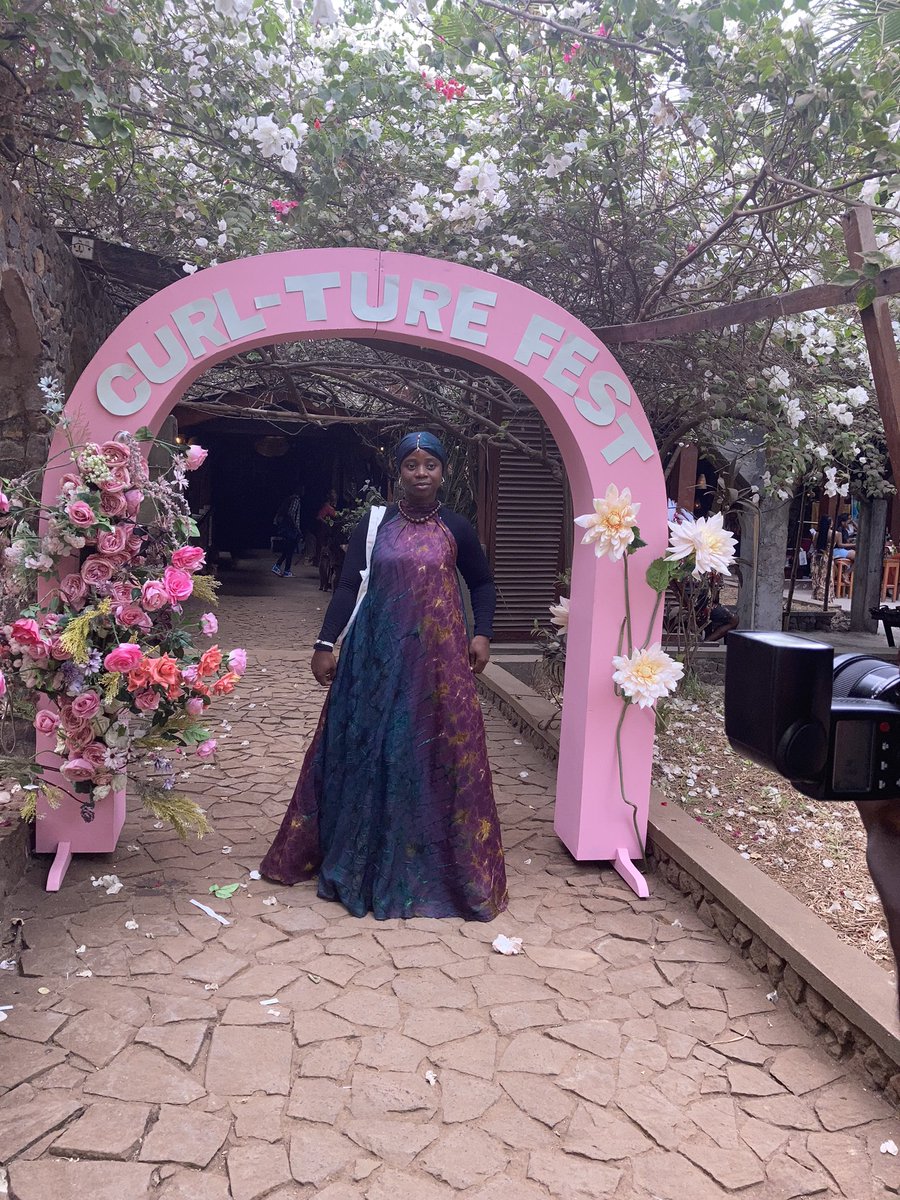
(289, 533)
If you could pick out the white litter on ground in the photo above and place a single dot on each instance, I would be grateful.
(112, 883)
(210, 913)
(507, 945)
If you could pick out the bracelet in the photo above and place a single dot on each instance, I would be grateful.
(320, 645)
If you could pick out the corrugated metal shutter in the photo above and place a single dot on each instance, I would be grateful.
(528, 541)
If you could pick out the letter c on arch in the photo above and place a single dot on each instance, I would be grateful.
(111, 400)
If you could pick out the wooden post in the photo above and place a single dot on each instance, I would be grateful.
(859, 236)
(685, 482)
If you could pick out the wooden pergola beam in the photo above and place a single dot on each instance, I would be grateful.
(745, 312)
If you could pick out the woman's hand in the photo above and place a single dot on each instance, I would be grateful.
(479, 654)
(324, 665)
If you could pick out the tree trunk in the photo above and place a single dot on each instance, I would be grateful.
(868, 565)
(762, 596)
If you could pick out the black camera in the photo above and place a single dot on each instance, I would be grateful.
(830, 725)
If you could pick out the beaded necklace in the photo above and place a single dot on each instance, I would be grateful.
(418, 520)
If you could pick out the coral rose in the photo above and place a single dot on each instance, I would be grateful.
(164, 671)
(178, 584)
(46, 721)
(96, 570)
(195, 457)
(154, 595)
(226, 685)
(124, 658)
(189, 558)
(210, 661)
(86, 705)
(81, 514)
(77, 770)
(139, 677)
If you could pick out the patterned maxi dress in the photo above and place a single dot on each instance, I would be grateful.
(394, 808)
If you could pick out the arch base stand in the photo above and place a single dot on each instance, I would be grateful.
(59, 866)
(632, 876)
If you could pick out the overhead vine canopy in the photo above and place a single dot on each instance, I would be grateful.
(646, 159)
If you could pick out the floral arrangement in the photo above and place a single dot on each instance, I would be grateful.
(108, 657)
(645, 673)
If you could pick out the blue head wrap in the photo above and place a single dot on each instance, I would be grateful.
(420, 441)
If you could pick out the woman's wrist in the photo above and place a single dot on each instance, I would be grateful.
(321, 644)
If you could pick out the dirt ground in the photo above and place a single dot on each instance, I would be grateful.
(815, 849)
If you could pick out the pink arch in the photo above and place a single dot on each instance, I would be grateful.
(148, 362)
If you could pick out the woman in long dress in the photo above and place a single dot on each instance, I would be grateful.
(394, 809)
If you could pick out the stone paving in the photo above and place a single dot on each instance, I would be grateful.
(298, 1052)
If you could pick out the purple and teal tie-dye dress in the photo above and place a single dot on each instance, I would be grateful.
(394, 809)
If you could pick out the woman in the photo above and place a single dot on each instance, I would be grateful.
(394, 808)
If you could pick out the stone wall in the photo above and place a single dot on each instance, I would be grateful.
(52, 320)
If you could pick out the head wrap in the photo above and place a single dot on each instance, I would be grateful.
(420, 441)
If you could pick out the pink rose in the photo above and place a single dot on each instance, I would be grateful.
(134, 498)
(26, 632)
(189, 558)
(77, 770)
(58, 650)
(195, 706)
(4, 502)
(123, 658)
(46, 721)
(154, 595)
(195, 457)
(81, 514)
(112, 505)
(39, 653)
(147, 700)
(207, 749)
(77, 739)
(237, 661)
(189, 674)
(113, 541)
(96, 570)
(86, 705)
(70, 483)
(178, 584)
(119, 480)
(73, 591)
(95, 754)
(2, 684)
(209, 624)
(135, 544)
(133, 616)
(120, 593)
(115, 453)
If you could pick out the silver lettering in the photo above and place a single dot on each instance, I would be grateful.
(359, 298)
(111, 400)
(427, 299)
(630, 439)
(565, 360)
(163, 372)
(195, 332)
(466, 315)
(531, 343)
(313, 288)
(235, 326)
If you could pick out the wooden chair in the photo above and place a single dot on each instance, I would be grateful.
(843, 579)
(890, 578)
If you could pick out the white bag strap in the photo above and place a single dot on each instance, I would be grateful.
(376, 515)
